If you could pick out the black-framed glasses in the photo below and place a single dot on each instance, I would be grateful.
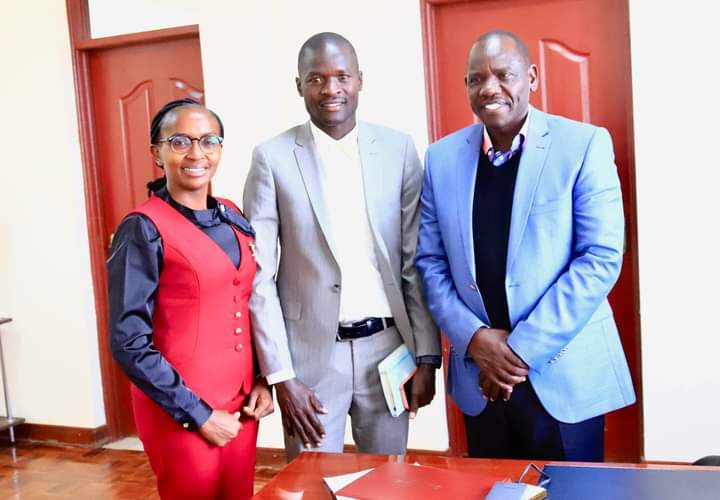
(181, 143)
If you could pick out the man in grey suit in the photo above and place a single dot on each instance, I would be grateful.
(342, 292)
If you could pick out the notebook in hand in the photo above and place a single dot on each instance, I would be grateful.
(395, 370)
(401, 480)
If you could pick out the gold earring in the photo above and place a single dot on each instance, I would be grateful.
(158, 163)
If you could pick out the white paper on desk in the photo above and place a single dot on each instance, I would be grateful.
(336, 483)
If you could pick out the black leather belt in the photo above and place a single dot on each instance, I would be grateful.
(363, 328)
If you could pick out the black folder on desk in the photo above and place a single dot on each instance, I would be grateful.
(569, 482)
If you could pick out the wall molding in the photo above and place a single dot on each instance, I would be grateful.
(58, 435)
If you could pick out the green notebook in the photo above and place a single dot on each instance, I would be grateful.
(395, 370)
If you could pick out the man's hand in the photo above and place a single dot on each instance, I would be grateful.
(260, 402)
(221, 427)
(299, 406)
(422, 387)
(501, 369)
(493, 391)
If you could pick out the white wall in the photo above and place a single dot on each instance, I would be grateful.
(51, 351)
(675, 75)
(110, 17)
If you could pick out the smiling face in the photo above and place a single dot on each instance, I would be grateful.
(498, 81)
(189, 172)
(329, 81)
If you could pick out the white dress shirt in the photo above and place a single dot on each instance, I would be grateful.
(362, 294)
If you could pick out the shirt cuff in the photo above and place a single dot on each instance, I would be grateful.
(281, 376)
(196, 417)
(433, 360)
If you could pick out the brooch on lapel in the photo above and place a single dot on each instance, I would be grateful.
(252, 250)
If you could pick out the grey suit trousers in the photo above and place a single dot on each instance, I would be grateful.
(352, 387)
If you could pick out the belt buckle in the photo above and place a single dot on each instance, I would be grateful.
(342, 324)
(369, 325)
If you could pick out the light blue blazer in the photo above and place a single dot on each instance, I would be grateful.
(564, 256)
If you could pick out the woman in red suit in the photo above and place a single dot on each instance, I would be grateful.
(180, 276)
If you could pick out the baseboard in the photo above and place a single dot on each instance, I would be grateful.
(267, 456)
(664, 462)
(93, 438)
(59, 435)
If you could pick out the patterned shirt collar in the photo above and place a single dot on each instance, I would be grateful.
(487, 142)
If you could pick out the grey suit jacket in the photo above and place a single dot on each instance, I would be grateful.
(295, 305)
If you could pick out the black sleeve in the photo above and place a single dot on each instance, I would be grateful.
(133, 276)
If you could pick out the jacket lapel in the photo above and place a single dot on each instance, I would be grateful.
(374, 186)
(307, 160)
(465, 188)
(531, 166)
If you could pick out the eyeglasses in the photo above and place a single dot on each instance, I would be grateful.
(181, 143)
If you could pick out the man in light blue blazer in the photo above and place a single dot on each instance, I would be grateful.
(520, 242)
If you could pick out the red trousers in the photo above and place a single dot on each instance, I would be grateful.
(189, 467)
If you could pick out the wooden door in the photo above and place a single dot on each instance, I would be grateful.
(130, 81)
(582, 49)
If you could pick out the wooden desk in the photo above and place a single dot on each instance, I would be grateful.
(302, 478)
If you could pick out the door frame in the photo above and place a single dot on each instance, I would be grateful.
(455, 422)
(82, 46)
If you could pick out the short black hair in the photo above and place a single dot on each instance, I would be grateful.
(321, 40)
(169, 109)
(522, 48)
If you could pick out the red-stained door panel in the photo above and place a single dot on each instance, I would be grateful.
(582, 49)
(129, 84)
